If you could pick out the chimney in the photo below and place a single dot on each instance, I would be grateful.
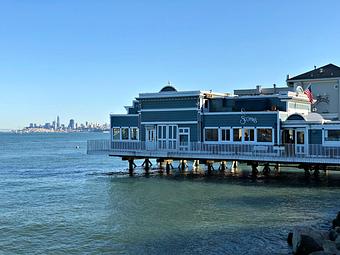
(288, 76)
(258, 89)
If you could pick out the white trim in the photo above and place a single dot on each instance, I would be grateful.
(167, 122)
(329, 143)
(170, 109)
(313, 80)
(231, 141)
(218, 135)
(180, 94)
(235, 113)
(120, 134)
(129, 134)
(124, 115)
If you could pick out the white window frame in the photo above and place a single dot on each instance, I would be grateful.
(230, 135)
(255, 135)
(265, 143)
(329, 143)
(130, 129)
(120, 134)
(218, 135)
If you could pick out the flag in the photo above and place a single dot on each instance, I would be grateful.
(309, 94)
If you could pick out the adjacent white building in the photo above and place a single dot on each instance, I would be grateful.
(324, 82)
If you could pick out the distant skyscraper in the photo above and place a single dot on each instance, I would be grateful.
(54, 125)
(71, 124)
(58, 122)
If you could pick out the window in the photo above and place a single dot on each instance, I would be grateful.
(125, 133)
(206, 103)
(264, 135)
(225, 135)
(211, 134)
(116, 134)
(249, 135)
(237, 134)
(134, 133)
(332, 135)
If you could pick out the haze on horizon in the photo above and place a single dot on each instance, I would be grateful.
(84, 59)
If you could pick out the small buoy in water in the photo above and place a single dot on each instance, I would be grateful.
(77, 147)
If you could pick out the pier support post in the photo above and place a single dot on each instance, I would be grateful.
(196, 165)
(161, 166)
(316, 172)
(223, 167)
(254, 171)
(234, 165)
(306, 168)
(210, 167)
(132, 165)
(167, 167)
(277, 168)
(266, 169)
(182, 165)
(147, 164)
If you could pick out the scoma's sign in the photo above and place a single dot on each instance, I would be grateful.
(248, 120)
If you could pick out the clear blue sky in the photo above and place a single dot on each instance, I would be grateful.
(84, 59)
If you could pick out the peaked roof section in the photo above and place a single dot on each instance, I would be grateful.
(327, 71)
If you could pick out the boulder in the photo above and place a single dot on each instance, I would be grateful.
(337, 242)
(333, 235)
(330, 247)
(290, 238)
(320, 253)
(336, 223)
(306, 240)
(337, 229)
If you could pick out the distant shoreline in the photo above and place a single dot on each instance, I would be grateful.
(44, 131)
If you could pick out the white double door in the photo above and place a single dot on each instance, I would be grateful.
(167, 137)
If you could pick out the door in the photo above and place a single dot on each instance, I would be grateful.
(150, 138)
(184, 134)
(300, 142)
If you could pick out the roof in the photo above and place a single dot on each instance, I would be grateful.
(327, 71)
(168, 88)
(310, 117)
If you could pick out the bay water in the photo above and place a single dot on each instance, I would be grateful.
(56, 199)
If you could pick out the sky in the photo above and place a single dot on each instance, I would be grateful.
(86, 59)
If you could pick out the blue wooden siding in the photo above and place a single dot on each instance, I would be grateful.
(163, 103)
(169, 116)
(246, 104)
(124, 121)
(233, 120)
(315, 136)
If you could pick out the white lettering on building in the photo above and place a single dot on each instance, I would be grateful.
(248, 120)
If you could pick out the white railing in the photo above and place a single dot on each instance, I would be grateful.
(230, 150)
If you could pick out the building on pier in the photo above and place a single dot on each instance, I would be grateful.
(263, 125)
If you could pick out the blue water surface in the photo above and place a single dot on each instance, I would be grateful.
(56, 199)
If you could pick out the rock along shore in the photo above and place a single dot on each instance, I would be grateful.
(307, 240)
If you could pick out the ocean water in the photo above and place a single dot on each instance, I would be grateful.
(55, 199)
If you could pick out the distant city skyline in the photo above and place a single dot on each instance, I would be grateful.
(90, 58)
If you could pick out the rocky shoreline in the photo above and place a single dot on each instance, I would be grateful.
(307, 240)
